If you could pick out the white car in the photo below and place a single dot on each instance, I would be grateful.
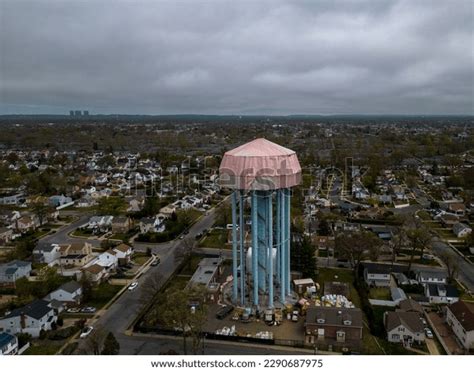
(428, 333)
(86, 331)
(133, 286)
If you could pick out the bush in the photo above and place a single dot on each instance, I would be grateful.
(23, 339)
(64, 333)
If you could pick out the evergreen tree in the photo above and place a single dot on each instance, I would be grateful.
(111, 345)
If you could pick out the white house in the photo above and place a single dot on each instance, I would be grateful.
(427, 277)
(69, 293)
(101, 223)
(441, 294)
(123, 253)
(30, 319)
(14, 270)
(107, 259)
(460, 317)
(404, 327)
(461, 230)
(49, 253)
(377, 275)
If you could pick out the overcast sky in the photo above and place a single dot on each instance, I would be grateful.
(237, 57)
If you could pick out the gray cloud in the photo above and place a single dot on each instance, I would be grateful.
(246, 57)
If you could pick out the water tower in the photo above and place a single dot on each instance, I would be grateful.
(265, 172)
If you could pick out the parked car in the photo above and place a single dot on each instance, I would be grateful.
(133, 286)
(224, 311)
(73, 310)
(428, 333)
(156, 261)
(88, 310)
(86, 331)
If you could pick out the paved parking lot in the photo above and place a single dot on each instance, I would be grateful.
(288, 330)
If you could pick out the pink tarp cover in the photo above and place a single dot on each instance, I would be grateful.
(260, 165)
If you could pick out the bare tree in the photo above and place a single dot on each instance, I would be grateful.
(151, 287)
(95, 341)
(420, 239)
(451, 265)
(353, 246)
(185, 311)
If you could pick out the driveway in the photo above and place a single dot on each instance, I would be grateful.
(432, 348)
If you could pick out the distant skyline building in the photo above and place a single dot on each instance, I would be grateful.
(71, 113)
(265, 172)
(77, 113)
(85, 113)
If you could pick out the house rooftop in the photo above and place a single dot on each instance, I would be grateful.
(410, 320)
(70, 286)
(36, 309)
(464, 313)
(410, 305)
(334, 316)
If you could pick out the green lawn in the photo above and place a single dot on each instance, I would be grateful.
(46, 348)
(215, 239)
(81, 233)
(380, 293)
(140, 258)
(101, 295)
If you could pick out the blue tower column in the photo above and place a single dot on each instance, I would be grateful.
(234, 247)
(242, 249)
(255, 247)
(278, 236)
(288, 238)
(270, 252)
(282, 249)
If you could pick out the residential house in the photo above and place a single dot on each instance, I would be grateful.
(448, 220)
(377, 275)
(6, 235)
(14, 199)
(8, 344)
(334, 327)
(100, 223)
(26, 224)
(461, 230)
(154, 225)
(47, 253)
(460, 317)
(121, 224)
(404, 327)
(12, 271)
(75, 255)
(96, 273)
(59, 201)
(168, 210)
(31, 319)
(457, 208)
(124, 253)
(438, 293)
(86, 201)
(427, 277)
(69, 293)
(107, 259)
